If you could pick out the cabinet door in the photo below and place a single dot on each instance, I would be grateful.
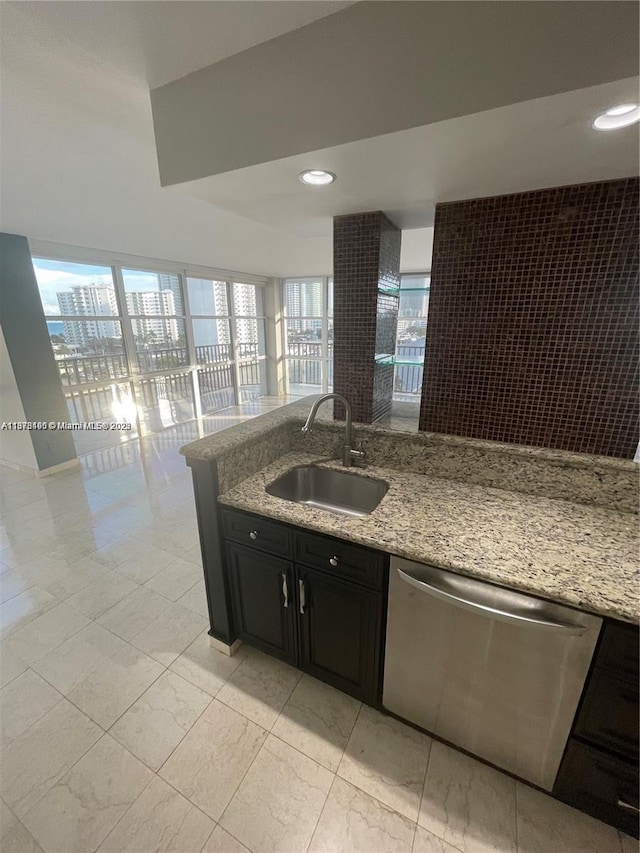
(263, 600)
(609, 713)
(600, 785)
(340, 625)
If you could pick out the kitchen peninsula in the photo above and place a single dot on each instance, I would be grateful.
(313, 588)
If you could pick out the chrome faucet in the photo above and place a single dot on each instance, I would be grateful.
(348, 455)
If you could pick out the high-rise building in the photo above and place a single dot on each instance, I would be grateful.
(153, 310)
(89, 300)
(172, 283)
(304, 299)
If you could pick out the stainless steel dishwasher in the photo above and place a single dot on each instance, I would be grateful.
(496, 672)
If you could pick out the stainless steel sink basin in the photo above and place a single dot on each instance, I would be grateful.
(334, 491)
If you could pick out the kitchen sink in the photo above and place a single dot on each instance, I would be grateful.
(334, 491)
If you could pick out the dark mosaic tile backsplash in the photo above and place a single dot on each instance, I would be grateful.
(366, 254)
(533, 319)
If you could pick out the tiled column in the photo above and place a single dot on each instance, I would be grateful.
(366, 281)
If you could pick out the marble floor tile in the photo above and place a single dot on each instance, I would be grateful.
(211, 761)
(80, 810)
(426, 842)
(205, 666)
(99, 596)
(14, 837)
(176, 579)
(180, 539)
(468, 804)
(114, 684)
(12, 583)
(159, 821)
(37, 758)
(169, 634)
(196, 598)
(388, 760)
(24, 608)
(318, 720)
(155, 724)
(130, 616)
(72, 578)
(221, 842)
(354, 822)
(279, 801)
(116, 553)
(260, 687)
(69, 664)
(547, 826)
(10, 665)
(145, 564)
(23, 702)
(45, 633)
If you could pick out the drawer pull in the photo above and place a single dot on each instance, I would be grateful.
(285, 589)
(628, 807)
(334, 561)
(303, 597)
(253, 534)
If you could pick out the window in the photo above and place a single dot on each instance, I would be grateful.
(250, 341)
(308, 330)
(86, 332)
(154, 304)
(413, 309)
(151, 346)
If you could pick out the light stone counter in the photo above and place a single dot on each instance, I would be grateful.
(584, 556)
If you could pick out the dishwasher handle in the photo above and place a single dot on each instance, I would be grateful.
(504, 605)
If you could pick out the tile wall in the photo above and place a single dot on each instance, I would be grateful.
(533, 319)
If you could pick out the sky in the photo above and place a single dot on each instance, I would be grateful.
(56, 276)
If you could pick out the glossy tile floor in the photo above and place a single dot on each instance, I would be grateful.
(122, 730)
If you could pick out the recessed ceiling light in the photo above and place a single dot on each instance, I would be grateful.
(622, 116)
(317, 177)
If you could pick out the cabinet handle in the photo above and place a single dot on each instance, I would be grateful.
(334, 561)
(285, 589)
(628, 806)
(253, 534)
(303, 597)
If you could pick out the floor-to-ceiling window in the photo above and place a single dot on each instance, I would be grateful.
(151, 346)
(413, 309)
(308, 334)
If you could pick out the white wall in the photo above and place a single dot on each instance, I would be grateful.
(16, 448)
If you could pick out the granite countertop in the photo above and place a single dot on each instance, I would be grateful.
(570, 553)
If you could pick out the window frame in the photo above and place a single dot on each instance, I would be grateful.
(117, 263)
(326, 356)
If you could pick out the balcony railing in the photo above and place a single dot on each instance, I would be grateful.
(85, 369)
(80, 370)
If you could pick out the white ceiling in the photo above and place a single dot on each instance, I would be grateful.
(78, 159)
(540, 143)
(153, 43)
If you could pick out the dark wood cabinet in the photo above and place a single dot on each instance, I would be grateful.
(323, 613)
(339, 632)
(599, 771)
(600, 784)
(263, 603)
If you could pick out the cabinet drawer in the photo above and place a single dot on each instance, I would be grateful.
(609, 712)
(257, 532)
(619, 651)
(338, 558)
(599, 784)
